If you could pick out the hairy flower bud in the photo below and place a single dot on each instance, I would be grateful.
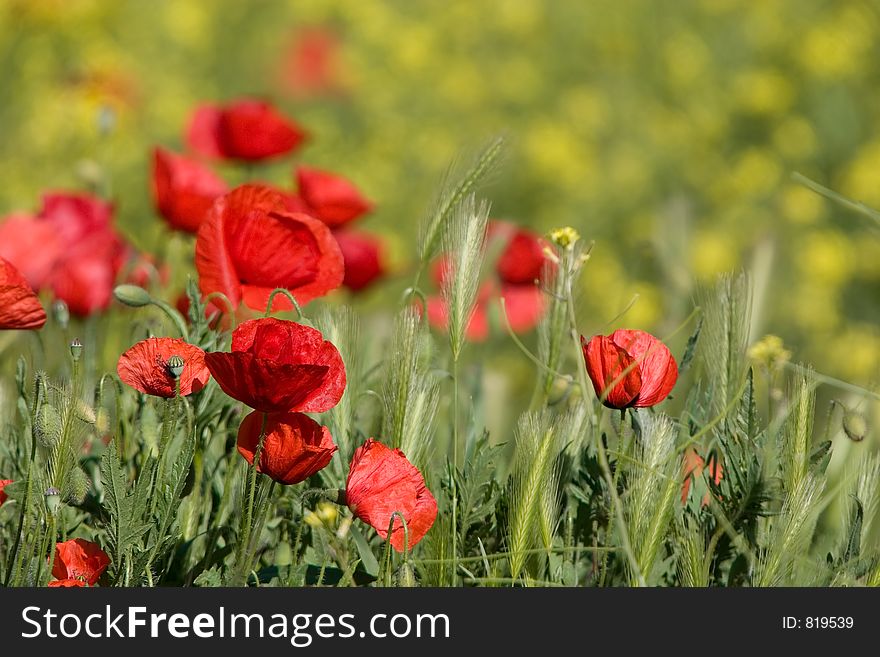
(132, 295)
(855, 426)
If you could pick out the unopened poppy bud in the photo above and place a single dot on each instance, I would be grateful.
(564, 237)
(855, 426)
(405, 577)
(175, 366)
(76, 349)
(53, 499)
(61, 313)
(47, 426)
(132, 295)
(283, 554)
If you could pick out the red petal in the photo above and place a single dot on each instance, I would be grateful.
(289, 343)
(183, 189)
(382, 481)
(79, 559)
(525, 306)
(362, 255)
(333, 199)
(265, 385)
(31, 245)
(3, 495)
(66, 583)
(76, 216)
(295, 446)
(145, 367)
(606, 363)
(522, 260)
(254, 130)
(215, 267)
(203, 133)
(658, 368)
(19, 306)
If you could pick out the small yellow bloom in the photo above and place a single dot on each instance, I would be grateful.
(770, 352)
(564, 237)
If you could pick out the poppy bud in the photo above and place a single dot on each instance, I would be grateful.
(855, 426)
(132, 295)
(77, 486)
(84, 412)
(61, 313)
(175, 366)
(76, 349)
(53, 500)
(629, 368)
(405, 577)
(283, 554)
(47, 426)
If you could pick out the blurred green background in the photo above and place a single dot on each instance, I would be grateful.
(665, 131)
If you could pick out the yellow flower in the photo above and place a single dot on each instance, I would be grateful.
(769, 352)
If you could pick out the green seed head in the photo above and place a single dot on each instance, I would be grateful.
(53, 499)
(855, 426)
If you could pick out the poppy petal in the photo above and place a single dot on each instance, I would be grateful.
(145, 367)
(19, 306)
(606, 363)
(202, 135)
(657, 366)
(333, 199)
(294, 449)
(183, 189)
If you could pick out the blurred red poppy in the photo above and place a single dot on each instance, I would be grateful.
(642, 367)
(519, 269)
(183, 189)
(363, 258)
(245, 129)
(278, 366)
(310, 64)
(144, 271)
(19, 306)
(70, 247)
(693, 468)
(249, 244)
(330, 197)
(3, 496)
(295, 446)
(381, 481)
(80, 561)
(149, 367)
(31, 245)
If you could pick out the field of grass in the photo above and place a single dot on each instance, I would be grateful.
(376, 249)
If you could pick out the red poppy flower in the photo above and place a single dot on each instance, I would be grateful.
(242, 130)
(147, 367)
(248, 245)
(278, 366)
(693, 468)
(643, 367)
(381, 481)
(78, 559)
(520, 265)
(19, 306)
(311, 63)
(144, 271)
(31, 245)
(331, 198)
(69, 247)
(295, 447)
(3, 496)
(362, 254)
(183, 189)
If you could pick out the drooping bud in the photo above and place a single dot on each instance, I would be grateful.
(855, 426)
(61, 313)
(132, 295)
(53, 500)
(405, 577)
(77, 486)
(84, 411)
(76, 349)
(47, 426)
(175, 366)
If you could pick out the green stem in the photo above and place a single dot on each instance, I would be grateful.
(453, 479)
(600, 447)
(248, 513)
